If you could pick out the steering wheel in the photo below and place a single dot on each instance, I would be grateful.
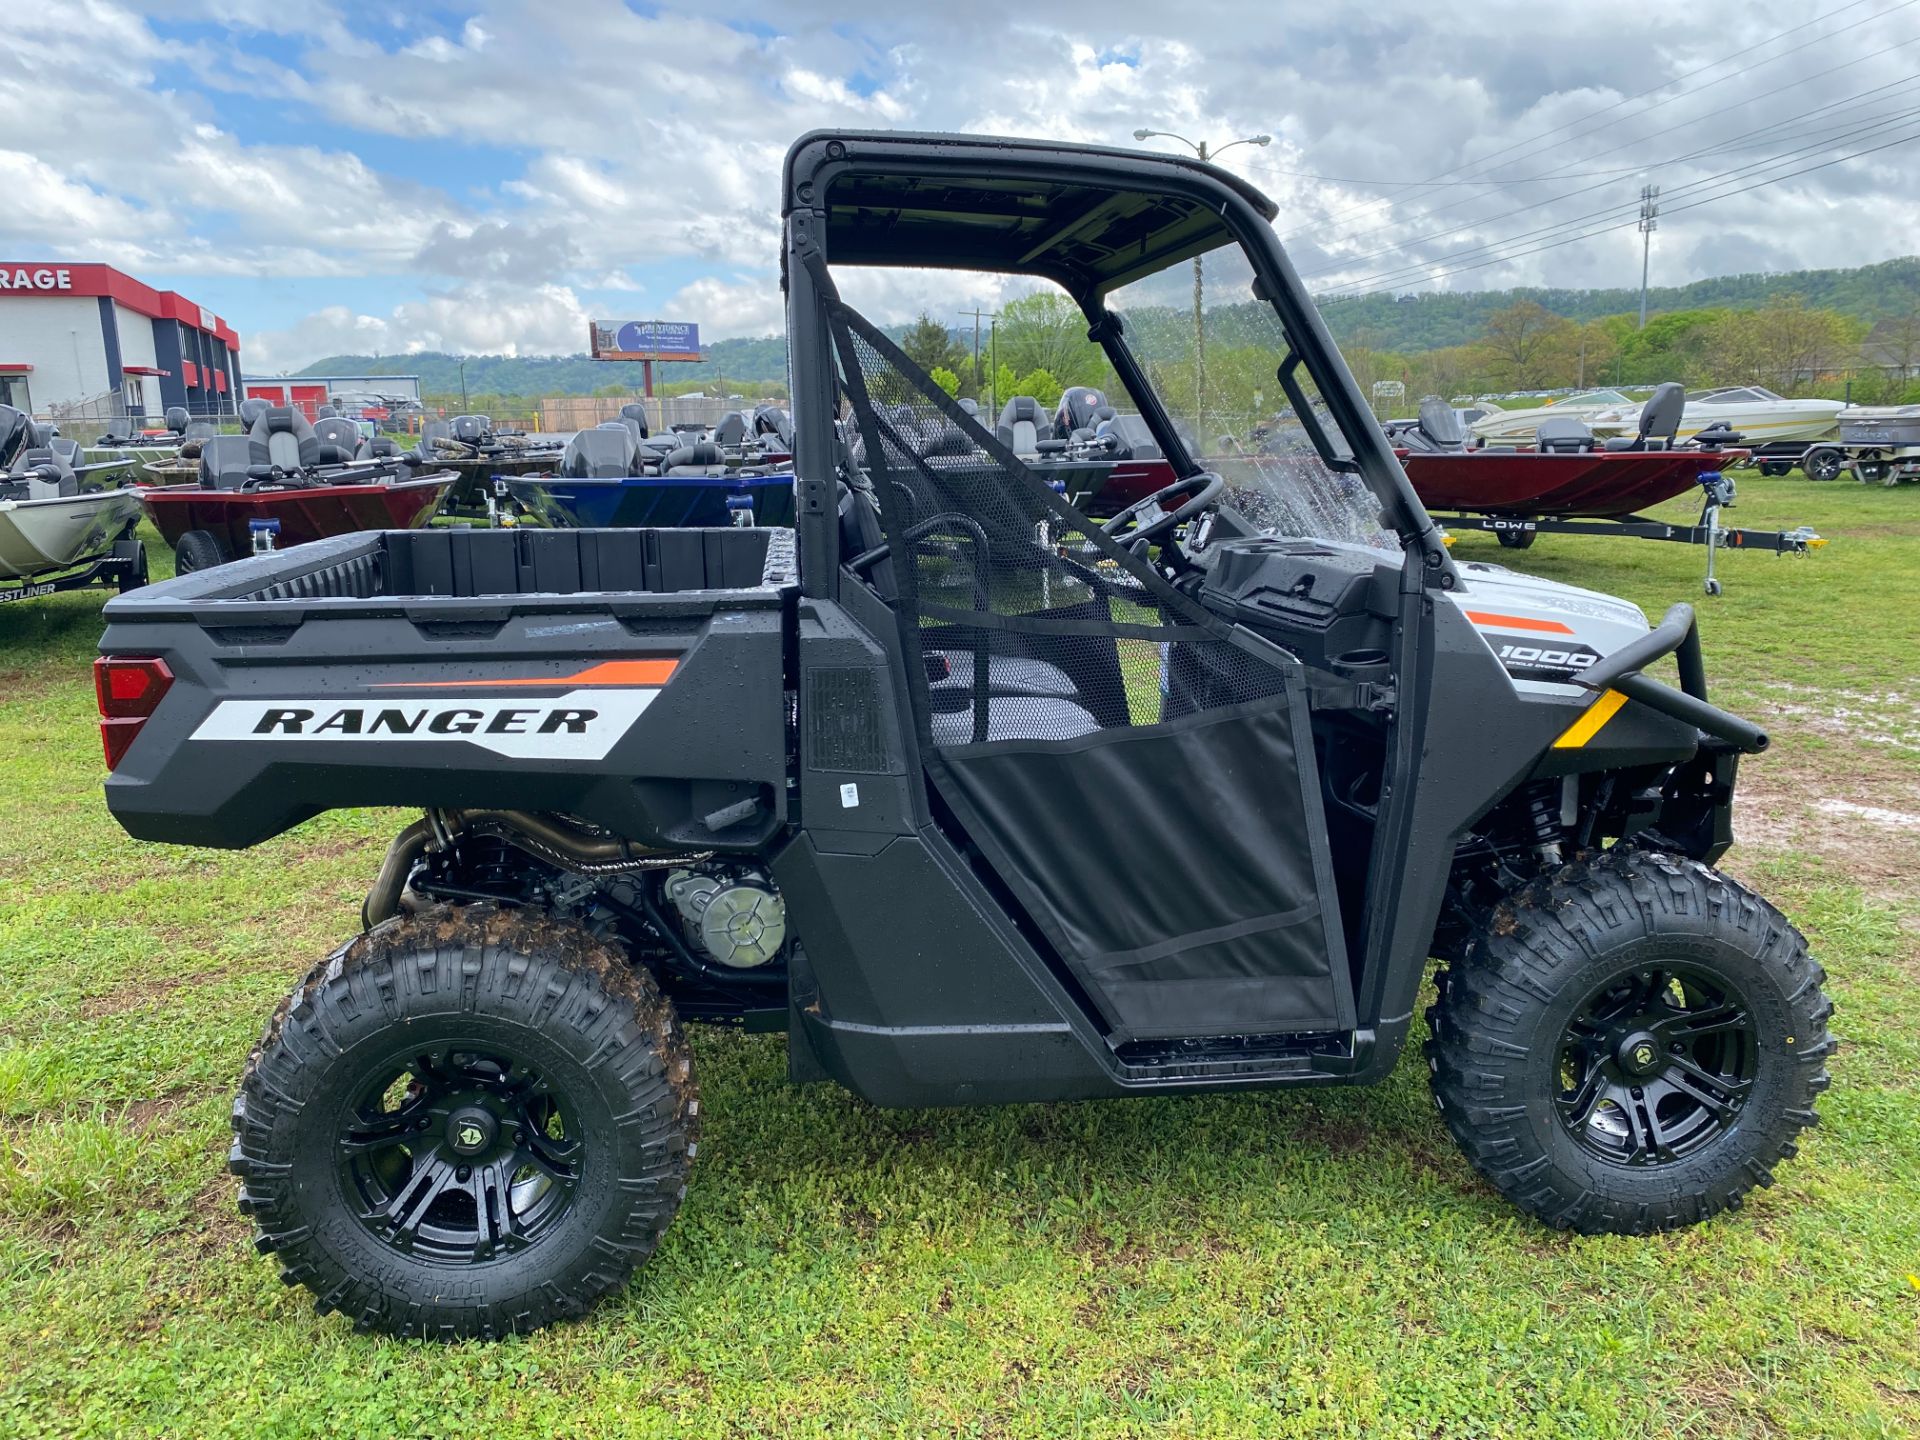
(1149, 520)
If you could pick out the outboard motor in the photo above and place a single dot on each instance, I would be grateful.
(471, 429)
(177, 419)
(13, 432)
(1076, 411)
(252, 408)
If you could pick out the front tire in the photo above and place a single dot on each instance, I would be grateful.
(1515, 539)
(466, 1123)
(1630, 1044)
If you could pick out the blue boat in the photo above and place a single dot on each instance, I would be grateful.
(656, 501)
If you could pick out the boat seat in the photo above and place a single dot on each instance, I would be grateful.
(1659, 420)
(597, 455)
(284, 437)
(224, 461)
(67, 450)
(1563, 435)
(731, 432)
(702, 457)
(47, 473)
(1023, 425)
(634, 417)
(1441, 424)
(339, 440)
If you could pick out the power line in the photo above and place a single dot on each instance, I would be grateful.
(1487, 160)
(1847, 130)
(1692, 205)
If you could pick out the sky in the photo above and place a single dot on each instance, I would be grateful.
(484, 178)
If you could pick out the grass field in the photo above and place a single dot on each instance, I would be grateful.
(1280, 1265)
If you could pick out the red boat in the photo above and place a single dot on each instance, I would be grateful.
(1598, 485)
(310, 512)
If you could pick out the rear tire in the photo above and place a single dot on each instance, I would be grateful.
(198, 550)
(1515, 539)
(1823, 464)
(470, 1122)
(132, 574)
(1652, 979)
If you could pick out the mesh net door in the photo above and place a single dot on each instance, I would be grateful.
(1139, 774)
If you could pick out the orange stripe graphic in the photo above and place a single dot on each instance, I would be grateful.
(1518, 622)
(608, 672)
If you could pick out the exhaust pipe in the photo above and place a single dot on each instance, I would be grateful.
(542, 836)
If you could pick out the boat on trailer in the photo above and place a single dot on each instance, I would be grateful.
(56, 531)
(286, 482)
(1574, 482)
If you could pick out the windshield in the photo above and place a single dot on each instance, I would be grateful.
(1211, 351)
(1597, 397)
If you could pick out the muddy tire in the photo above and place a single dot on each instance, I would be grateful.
(466, 1123)
(1630, 1044)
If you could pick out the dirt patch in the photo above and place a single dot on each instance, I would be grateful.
(1797, 802)
(142, 994)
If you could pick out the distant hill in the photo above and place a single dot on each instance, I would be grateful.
(1430, 321)
(738, 362)
(1380, 321)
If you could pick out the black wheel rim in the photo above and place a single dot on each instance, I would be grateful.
(1656, 1065)
(460, 1154)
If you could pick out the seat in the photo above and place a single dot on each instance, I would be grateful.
(67, 450)
(283, 437)
(1441, 424)
(326, 412)
(251, 409)
(597, 455)
(702, 457)
(1023, 425)
(1563, 435)
(1659, 420)
(634, 417)
(339, 440)
(731, 432)
(223, 462)
(45, 472)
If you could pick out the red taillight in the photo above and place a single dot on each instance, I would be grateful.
(129, 690)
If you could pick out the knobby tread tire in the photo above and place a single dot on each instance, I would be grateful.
(510, 966)
(1496, 1027)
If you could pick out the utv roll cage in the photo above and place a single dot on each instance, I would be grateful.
(1089, 220)
(1092, 220)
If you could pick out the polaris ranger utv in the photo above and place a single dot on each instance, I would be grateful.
(977, 799)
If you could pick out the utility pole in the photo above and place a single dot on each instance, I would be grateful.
(978, 315)
(1649, 222)
(463, 385)
(1201, 149)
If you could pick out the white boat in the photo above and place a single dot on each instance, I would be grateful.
(55, 532)
(44, 536)
(1751, 411)
(1516, 427)
(1891, 426)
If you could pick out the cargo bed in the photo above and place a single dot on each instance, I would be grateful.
(631, 677)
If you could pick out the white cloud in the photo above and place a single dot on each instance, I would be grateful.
(615, 143)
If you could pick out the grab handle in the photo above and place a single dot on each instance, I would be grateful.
(1677, 634)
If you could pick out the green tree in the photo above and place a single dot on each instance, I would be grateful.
(1046, 331)
(945, 379)
(1041, 385)
(929, 345)
(1526, 345)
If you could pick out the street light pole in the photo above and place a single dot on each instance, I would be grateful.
(1200, 149)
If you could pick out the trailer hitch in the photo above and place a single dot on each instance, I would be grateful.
(1678, 634)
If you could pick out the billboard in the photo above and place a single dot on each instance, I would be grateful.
(644, 340)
